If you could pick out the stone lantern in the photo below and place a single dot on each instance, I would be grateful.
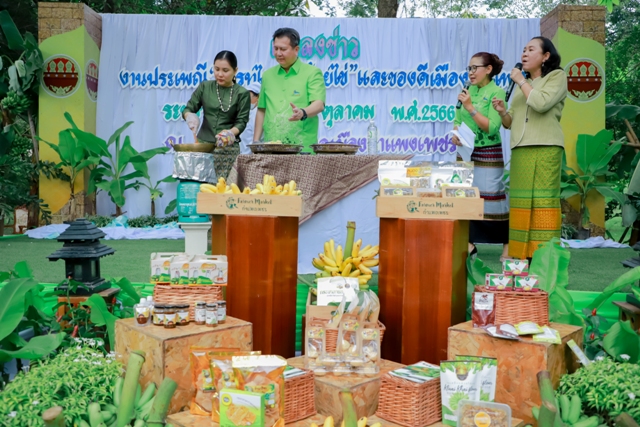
(81, 253)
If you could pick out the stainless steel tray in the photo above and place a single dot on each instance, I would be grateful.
(275, 148)
(335, 148)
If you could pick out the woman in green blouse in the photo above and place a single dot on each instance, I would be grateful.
(226, 107)
(484, 121)
(537, 145)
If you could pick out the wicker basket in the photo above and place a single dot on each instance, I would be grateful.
(185, 294)
(516, 307)
(299, 397)
(409, 404)
(331, 335)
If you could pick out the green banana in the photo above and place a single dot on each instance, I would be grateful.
(565, 407)
(575, 409)
(117, 391)
(139, 423)
(83, 423)
(536, 412)
(147, 395)
(95, 416)
(138, 396)
(589, 422)
(106, 415)
(144, 411)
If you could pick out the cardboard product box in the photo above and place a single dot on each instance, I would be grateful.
(208, 270)
(161, 265)
(241, 408)
(515, 267)
(498, 282)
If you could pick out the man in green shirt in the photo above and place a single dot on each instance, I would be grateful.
(293, 95)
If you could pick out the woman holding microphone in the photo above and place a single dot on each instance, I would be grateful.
(484, 121)
(537, 145)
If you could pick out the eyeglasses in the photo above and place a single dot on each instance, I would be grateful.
(473, 68)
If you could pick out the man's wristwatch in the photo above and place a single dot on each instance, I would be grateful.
(304, 115)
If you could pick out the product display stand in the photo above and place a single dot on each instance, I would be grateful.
(195, 237)
(167, 350)
(518, 362)
(218, 234)
(422, 286)
(262, 248)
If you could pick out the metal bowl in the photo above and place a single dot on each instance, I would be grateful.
(275, 148)
(201, 147)
(335, 148)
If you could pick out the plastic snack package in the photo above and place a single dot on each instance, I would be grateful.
(223, 375)
(202, 379)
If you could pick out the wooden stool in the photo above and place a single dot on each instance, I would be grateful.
(629, 312)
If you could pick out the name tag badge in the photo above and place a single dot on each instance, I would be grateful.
(295, 93)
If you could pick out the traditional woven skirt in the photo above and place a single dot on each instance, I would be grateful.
(534, 198)
(487, 176)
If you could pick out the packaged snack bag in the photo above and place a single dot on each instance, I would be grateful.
(202, 379)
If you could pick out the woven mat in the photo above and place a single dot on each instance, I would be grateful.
(323, 179)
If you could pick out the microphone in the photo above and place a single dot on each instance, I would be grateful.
(466, 86)
(512, 85)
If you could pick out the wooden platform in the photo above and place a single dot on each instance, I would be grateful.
(167, 350)
(518, 362)
(185, 419)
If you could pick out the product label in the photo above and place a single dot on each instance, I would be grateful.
(201, 315)
(526, 283)
(170, 318)
(421, 372)
(183, 316)
(483, 300)
(498, 282)
(482, 419)
(222, 314)
(212, 317)
(268, 390)
(158, 318)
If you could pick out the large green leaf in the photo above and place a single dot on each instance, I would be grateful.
(171, 207)
(67, 147)
(628, 278)
(629, 112)
(7, 137)
(12, 304)
(600, 165)
(606, 190)
(117, 133)
(11, 33)
(22, 270)
(590, 148)
(634, 183)
(562, 308)
(100, 316)
(140, 165)
(133, 175)
(629, 215)
(168, 178)
(551, 264)
(36, 348)
(96, 146)
(127, 152)
(116, 191)
(570, 190)
(621, 340)
(149, 154)
(129, 289)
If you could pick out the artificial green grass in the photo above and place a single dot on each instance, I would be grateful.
(589, 269)
(131, 259)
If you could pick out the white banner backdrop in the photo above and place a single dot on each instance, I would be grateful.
(403, 73)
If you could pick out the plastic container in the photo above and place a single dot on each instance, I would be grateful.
(143, 312)
(481, 414)
(372, 139)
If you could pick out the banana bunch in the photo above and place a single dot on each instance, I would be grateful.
(333, 262)
(268, 186)
(362, 422)
(571, 412)
(16, 104)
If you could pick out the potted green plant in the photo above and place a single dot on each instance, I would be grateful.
(593, 154)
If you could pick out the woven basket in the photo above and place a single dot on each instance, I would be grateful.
(185, 294)
(299, 398)
(409, 404)
(516, 307)
(331, 335)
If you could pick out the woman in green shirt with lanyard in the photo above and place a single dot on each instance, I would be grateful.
(484, 121)
(226, 107)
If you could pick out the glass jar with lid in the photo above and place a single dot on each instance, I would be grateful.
(212, 314)
(158, 314)
(201, 313)
(170, 316)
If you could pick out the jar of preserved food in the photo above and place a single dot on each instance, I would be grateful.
(222, 311)
(158, 314)
(212, 314)
(201, 313)
(183, 314)
(170, 316)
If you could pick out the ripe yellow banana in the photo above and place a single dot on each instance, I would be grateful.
(246, 190)
(222, 180)
(362, 422)
(331, 269)
(362, 280)
(328, 261)
(366, 248)
(356, 261)
(332, 248)
(235, 189)
(260, 188)
(377, 425)
(355, 273)
(370, 253)
(356, 248)
(344, 263)
(328, 422)
(314, 425)
(339, 255)
(364, 269)
(228, 191)
(222, 187)
(265, 180)
(370, 262)
(347, 270)
(317, 263)
(256, 191)
(285, 190)
(208, 188)
(292, 186)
